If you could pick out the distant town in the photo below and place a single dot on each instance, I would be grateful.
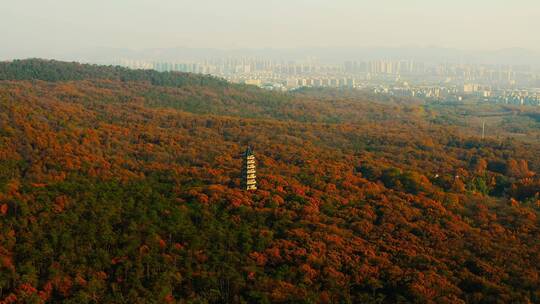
(435, 81)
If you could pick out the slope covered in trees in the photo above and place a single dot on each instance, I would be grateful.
(127, 191)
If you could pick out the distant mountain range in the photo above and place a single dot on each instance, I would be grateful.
(513, 56)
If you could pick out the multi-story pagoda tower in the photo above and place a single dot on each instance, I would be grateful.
(249, 178)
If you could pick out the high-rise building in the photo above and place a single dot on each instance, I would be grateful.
(248, 171)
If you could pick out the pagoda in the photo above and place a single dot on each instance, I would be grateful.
(249, 179)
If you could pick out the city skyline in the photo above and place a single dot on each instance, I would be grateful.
(444, 82)
(508, 56)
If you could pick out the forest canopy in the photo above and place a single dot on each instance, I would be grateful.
(124, 186)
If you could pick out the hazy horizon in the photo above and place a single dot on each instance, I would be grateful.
(31, 28)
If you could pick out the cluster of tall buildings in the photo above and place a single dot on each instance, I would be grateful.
(384, 67)
(286, 75)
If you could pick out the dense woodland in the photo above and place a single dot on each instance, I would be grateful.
(120, 186)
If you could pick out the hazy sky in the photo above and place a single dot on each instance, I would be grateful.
(63, 25)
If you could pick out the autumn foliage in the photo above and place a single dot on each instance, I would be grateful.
(119, 186)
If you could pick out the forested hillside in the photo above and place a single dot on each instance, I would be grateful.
(120, 186)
